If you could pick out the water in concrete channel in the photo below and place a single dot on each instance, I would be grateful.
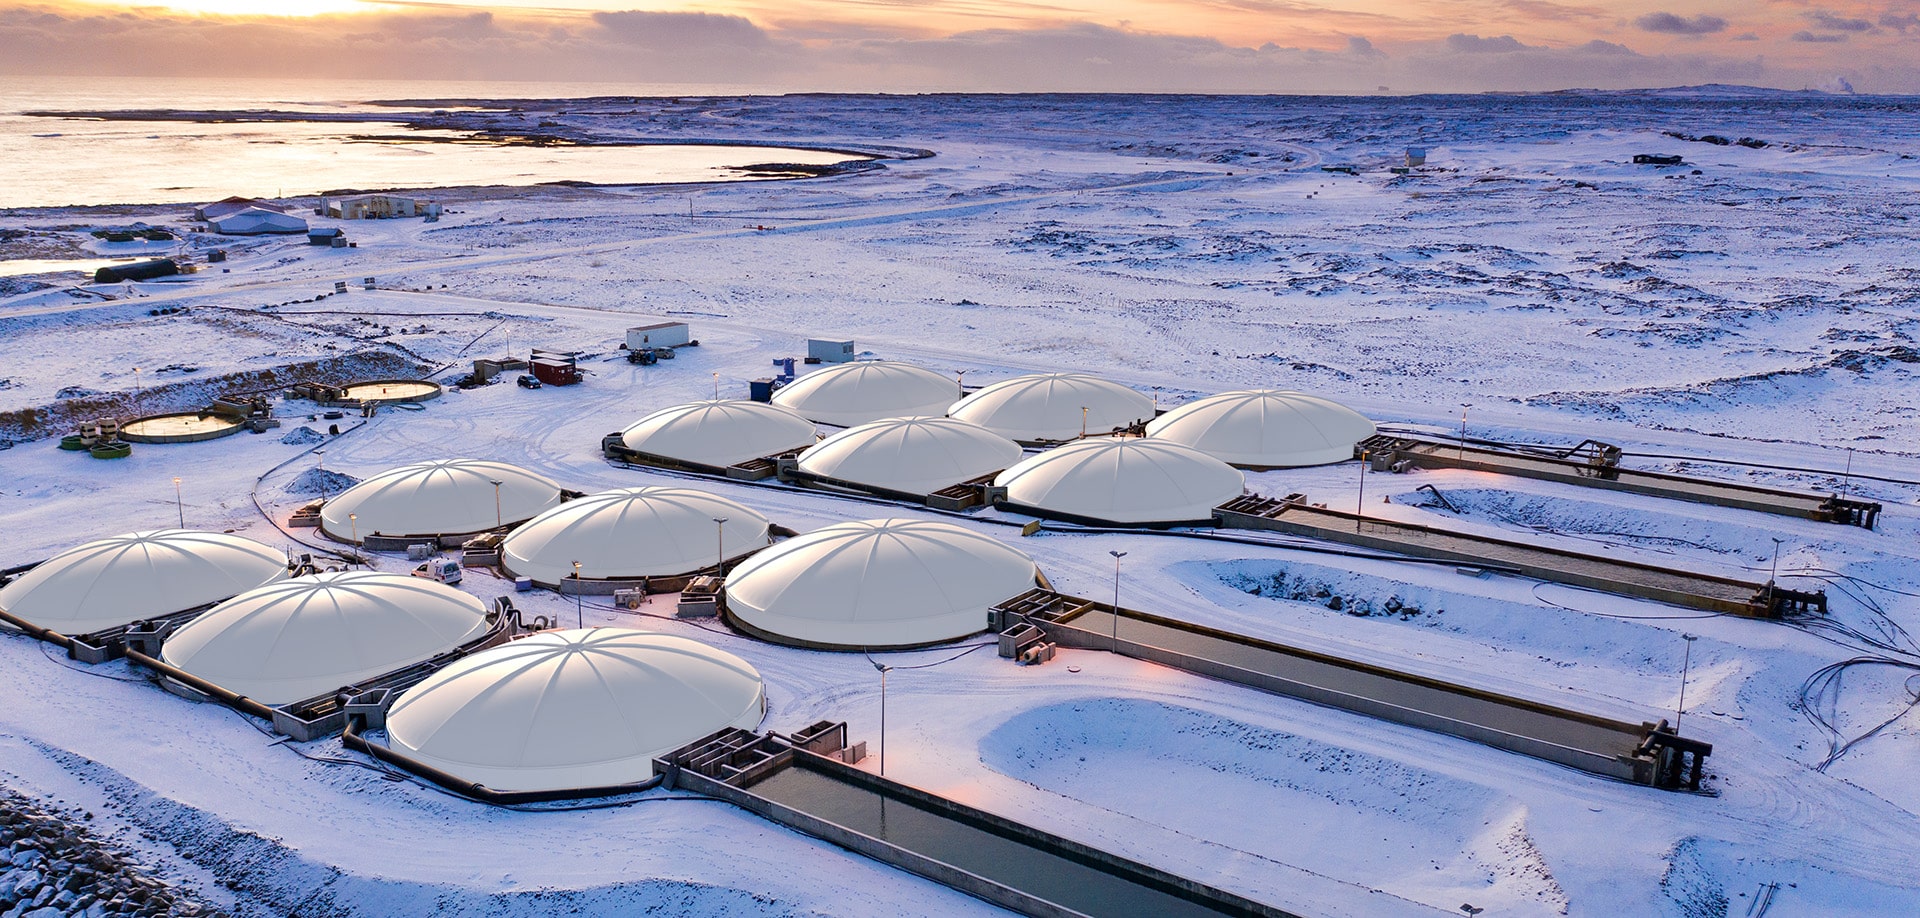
(1020, 865)
(1568, 730)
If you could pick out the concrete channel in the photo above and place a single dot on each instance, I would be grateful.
(1294, 516)
(1643, 753)
(805, 782)
(1600, 468)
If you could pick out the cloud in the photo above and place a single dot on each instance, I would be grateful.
(1900, 22)
(1817, 38)
(1680, 25)
(1823, 19)
(1474, 44)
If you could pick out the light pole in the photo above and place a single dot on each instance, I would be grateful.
(1360, 503)
(139, 392)
(720, 546)
(1463, 429)
(716, 385)
(498, 520)
(353, 520)
(1846, 478)
(1117, 555)
(320, 456)
(1083, 422)
(178, 506)
(1773, 573)
(884, 670)
(960, 379)
(579, 613)
(1686, 661)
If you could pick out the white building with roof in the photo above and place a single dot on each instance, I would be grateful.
(1053, 407)
(719, 432)
(444, 498)
(634, 533)
(910, 455)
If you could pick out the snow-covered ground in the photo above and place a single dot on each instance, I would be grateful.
(1761, 311)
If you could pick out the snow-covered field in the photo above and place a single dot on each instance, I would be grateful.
(1756, 305)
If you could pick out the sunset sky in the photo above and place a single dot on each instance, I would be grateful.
(993, 45)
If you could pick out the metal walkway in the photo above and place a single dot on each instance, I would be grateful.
(1598, 467)
(804, 782)
(1643, 753)
(1628, 578)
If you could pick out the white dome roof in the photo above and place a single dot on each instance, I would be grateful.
(581, 708)
(868, 390)
(1123, 480)
(1265, 428)
(877, 583)
(719, 432)
(310, 635)
(443, 497)
(1046, 406)
(633, 532)
(113, 581)
(913, 455)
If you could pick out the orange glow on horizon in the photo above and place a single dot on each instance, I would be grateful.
(274, 8)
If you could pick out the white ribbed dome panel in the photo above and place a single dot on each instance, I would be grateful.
(444, 497)
(878, 583)
(868, 390)
(1048, 407)
(633, 532)
(1124, 480)
(719, 432)
(310, 635)
(113, 581)
(914, 455)
(1266, 428)
(572, 709)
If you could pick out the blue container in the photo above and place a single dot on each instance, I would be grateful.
(523, 584)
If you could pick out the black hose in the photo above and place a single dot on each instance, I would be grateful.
(231, 699)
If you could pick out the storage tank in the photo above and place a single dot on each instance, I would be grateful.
(876, 583)
(855, 393)
(910, 455)
(308, 636)
(432, 500)
(574, 709)
(631, 533)
(1053, 407)
(136, 575)
(1265, 428)
(1128, 480)
(719, 432)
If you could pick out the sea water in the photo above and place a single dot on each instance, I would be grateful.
(60, 161)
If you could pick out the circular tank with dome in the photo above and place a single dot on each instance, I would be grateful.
(1053, 407)
(876, 583)
(307, 636)
(574, 709)
(633, 533)
(868, 390)
(719, 432)
(1265, 428)
(910, 456)
(111, 582)
(1127, 480)
(442, 499)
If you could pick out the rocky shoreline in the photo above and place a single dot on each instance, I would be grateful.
(53, 867)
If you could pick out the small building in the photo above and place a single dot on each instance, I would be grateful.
(380, 207)
(1657, 159)
(659, 334)
(325, 235)
(135, 271)
(820, 350)
(233, 205)
(255, 221)
(1416, 156)
(555, 368)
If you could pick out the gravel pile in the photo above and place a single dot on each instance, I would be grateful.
(52, 868)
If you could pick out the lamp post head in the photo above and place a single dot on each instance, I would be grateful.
(353, 517)
(1117, 555)
(1690, 637)
(176, 481)
(882, 667)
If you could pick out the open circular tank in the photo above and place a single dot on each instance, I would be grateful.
(390, 391)
(188, 427)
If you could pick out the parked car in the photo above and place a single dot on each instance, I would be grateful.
(445, 570)
(528, 382)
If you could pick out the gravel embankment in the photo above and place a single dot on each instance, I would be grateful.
(51, 867)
